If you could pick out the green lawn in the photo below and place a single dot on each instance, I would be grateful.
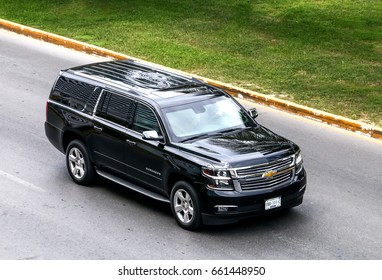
(323, 54)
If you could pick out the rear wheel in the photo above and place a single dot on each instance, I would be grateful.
(78, 163)
(185, 206)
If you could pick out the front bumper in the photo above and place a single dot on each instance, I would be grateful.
(223, 207)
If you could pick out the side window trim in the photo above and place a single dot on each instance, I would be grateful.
(98, 100)
(97, 90)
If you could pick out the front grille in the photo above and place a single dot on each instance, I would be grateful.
(251, 178)
(262, 168)
(253, 183)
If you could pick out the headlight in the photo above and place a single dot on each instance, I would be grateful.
(220, 179)
(298, 162)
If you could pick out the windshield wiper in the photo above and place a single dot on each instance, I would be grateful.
(201, 136)
(218, 133)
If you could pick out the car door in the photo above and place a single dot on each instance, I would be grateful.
(108, 137)
(146, 156)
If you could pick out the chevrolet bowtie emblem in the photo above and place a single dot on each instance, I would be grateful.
(269, 174)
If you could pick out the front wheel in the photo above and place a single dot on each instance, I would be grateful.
(78, 163)
(185, 206)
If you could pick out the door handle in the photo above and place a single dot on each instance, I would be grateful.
(98, 128)
(131, 143)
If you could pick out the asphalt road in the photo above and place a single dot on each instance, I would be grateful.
(44, 215)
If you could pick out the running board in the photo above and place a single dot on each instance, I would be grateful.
(132, 186)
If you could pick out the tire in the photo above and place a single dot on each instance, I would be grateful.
(185, 206)
(79, 166)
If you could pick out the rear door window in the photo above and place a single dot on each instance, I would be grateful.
(116, 108)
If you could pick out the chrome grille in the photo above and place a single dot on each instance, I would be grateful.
(254, 183)
(251, 178)
(261, 168)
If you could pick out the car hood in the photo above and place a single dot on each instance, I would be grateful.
(242, 148)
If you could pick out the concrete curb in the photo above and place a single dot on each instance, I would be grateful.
(291, 107)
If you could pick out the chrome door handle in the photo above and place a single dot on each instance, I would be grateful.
(131, 143)
(98, 128)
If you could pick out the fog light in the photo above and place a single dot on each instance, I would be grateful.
(222, 182)
(225, 208)
(222, 209)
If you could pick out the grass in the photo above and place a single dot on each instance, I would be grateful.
(326, 54)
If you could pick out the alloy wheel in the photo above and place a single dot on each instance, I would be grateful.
(183, 206)
(76, 163)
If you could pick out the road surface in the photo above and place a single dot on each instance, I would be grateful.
(44, 215)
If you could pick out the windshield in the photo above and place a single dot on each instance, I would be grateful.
(204, 118)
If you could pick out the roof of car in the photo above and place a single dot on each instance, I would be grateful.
(148, 81)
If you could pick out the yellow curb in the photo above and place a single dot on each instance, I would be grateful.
(59, 40)
(291, 107)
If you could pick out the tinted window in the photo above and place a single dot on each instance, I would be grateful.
(145, 120)
(115, 108)
(75, 94)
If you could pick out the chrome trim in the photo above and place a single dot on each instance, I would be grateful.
(234, 171)
(98, 100)
(302, 188)
(253, 177)
(230, 188)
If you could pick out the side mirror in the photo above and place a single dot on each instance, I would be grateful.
(253, 113)
(151, 135)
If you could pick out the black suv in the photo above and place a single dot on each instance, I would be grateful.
(174, 138)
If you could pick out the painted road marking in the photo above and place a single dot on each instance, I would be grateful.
(20, 181)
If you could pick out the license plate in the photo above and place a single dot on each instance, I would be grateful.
(273, 203)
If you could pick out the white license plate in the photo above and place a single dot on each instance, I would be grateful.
(273, 203)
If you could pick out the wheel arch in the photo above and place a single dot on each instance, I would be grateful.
(174, 177)
(69, 136)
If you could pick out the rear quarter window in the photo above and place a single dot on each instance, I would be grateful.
(75, 94)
